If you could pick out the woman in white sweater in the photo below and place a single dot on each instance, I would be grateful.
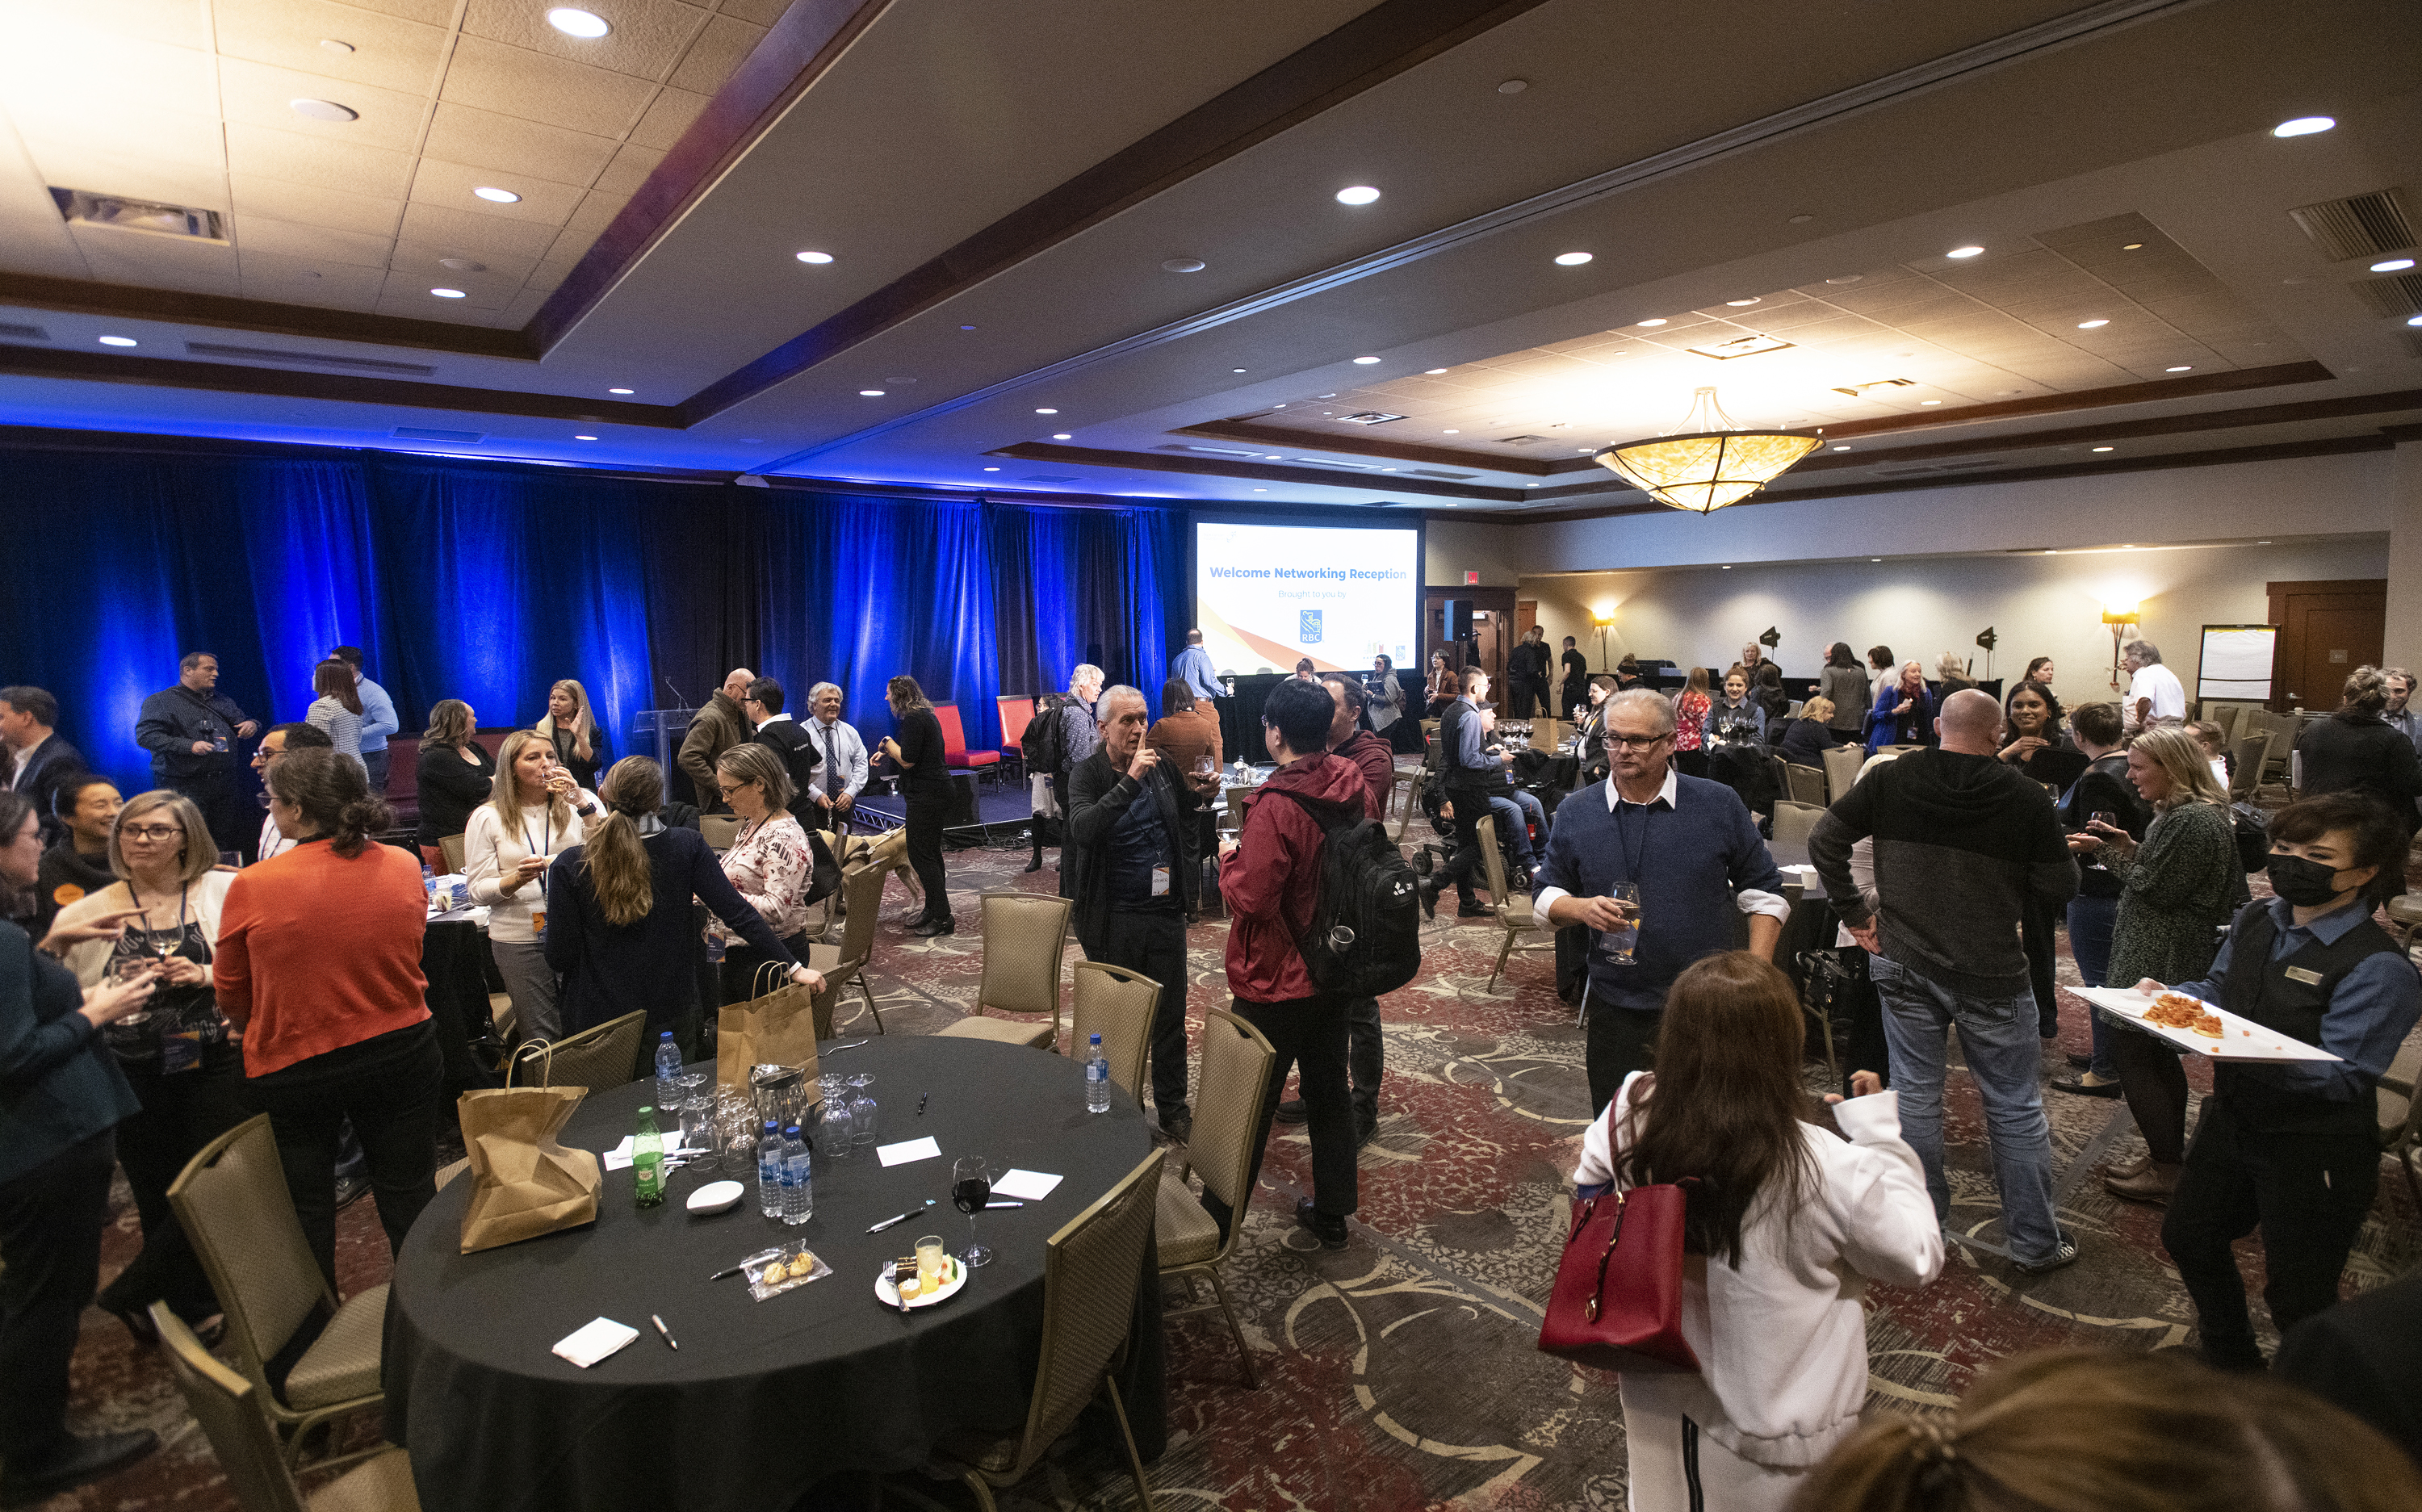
(1785, 1227)
(534, 815)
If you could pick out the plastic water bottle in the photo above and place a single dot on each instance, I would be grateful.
(769, 1172)
(668, 1066)
(429, 882)
(648, 1160)
(798, 1191)
(1097, 1078)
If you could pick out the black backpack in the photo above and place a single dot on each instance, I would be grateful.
(1044, 744)
(1366, 887)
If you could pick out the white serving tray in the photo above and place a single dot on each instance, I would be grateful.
(2241, 1039)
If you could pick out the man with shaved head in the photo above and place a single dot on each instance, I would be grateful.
(715, 729)
(1963, 842)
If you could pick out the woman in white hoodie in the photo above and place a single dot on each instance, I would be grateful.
(1785, 1227)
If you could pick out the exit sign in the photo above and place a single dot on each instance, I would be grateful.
(1470, 578)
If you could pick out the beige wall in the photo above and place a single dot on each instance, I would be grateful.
(1454, 547)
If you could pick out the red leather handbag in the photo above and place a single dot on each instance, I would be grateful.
(1617, 1302)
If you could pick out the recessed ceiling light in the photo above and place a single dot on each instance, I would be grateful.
(1433, 371)
(1841, 449)
(815, 257)
(2101, 449)
(1965, 252)
(618, 391)
(450, 293)
(1514, 87)
(1361, 194)
(584, 438)
(496, 195)
(1271, 456)
(1236, 369)
(335, 46)
(992, 469)
(1728, 566)
(1847, 278)
(1875, 558)
(2184, 366)
(2392, 266)
(2303, 126)
(2263, 543)
(1573, 259)
(1062, 436)
(1454, 432)
(1929, 401)
(1659, 321)
(1359, 362)
(1740, 303)
(324, 110)
(2132, 246)
(1801, 220)
(2410, 320)
(1184, 265)
(117, 341)
(2092, 325)
(462, 265)
(1046, 411)
(871, 393)
(579, 24)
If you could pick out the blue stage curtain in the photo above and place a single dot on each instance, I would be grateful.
(1077, 585)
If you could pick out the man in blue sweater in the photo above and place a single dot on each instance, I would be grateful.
(1694, 853)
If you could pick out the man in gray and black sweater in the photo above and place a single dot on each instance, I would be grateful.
(1962, 841)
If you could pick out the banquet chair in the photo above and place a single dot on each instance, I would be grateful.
(1016, 712)
(720, 829)
(956, 754)
(2246, 773)
(1806, 784)
(450, 846)
(1025, 939)
(1117, 1005)
(601, 1058)
(2400, 1112)
(1227, 1117)
(228, 1408)
(1841, 765)
(1091, 1270)
(1404, 795)
(844, 964)
(232, 1203)
(1513, 910)
(1795, 822)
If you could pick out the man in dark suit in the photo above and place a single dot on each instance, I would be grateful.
(42, 760)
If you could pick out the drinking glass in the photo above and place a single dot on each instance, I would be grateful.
(972, 1178)
(697, 1124)
(861, 1109)
(129, 968)
(1616, 944)
(835, 1113)
(930, 1268)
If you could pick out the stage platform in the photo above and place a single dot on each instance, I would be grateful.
(1003, 810)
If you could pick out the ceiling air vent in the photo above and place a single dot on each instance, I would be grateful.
(2362, 226)
(1369, 418)
(1862, 391)
(1433, 472)
(1520, 440)
(23, 333)
(83, 207)
(1741, 346)
(1216, 451)
(311, 360)
(414, 433)
(1052, 478)
(2397, 296)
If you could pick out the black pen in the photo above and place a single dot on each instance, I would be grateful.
(921, 1103)
(666, 1332)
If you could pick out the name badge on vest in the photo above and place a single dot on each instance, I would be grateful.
(2304, 974)
(1160, 881)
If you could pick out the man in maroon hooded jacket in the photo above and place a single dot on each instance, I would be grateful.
(1269, 878)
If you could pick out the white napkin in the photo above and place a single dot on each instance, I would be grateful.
(618, 1157)
(1029, 1185)
(594, 1341)
(907, 1150)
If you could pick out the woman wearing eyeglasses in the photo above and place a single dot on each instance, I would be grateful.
(770, 863)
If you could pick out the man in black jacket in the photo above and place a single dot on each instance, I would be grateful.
(1133, 866)
(43, 759)
(762, 704)
(1576, 685)
(1526, 673)
(191, 731)
(2357, 749)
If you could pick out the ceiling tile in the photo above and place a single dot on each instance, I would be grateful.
(425, 261)
(596, 212)
(717, 51)
(648, 37)
(137, 176)
(318, 247)
(157, 262)
(629, 169)
(474, 234)
(172, 22)
(261, 94)
(434, 13)
(524, 306)
(451, 184)
(280, 200)
(484, 140)
(764, 12)
(489, 76)
(47, 59)
(668, 117)
(308, 281)
(388, 53)
(321, 162)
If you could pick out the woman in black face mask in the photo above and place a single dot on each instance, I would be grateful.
(2292, 1145)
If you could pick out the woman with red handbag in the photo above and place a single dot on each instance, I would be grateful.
(1782, 1226)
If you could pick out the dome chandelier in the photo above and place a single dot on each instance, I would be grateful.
(1707, 462)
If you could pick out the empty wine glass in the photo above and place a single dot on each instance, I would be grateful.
(971, 1179)
(861, 1109)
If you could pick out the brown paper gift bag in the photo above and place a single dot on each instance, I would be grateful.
(524, 1182)
(777, 1028)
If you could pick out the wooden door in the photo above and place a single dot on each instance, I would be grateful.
(1526, 617)
(2326, 630)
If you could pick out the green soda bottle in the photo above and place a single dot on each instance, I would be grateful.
(648, 1160)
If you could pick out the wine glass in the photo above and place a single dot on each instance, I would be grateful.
(861, 1109)
(970, 1189)
(131, 969)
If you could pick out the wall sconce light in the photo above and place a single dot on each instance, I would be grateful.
(2119, 616)
(1604, 622)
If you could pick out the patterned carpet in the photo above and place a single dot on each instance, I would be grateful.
(1399, 1372)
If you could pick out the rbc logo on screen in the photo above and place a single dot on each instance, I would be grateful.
(1309, 631)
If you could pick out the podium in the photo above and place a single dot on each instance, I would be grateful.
(658, 733)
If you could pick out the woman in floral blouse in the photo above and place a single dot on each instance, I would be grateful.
(770, 864)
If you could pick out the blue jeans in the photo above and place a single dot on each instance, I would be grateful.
(1511, 812)
(1998, 1038)
(2089, 940)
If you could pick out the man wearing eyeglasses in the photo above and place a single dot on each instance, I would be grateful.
(1692, 849)
(271, 750)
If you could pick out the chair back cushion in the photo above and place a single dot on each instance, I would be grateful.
(1841, 765)
(223, 1403)
(450, 846)
(955, 734)
(232, 1203)
(1025, 939)
(1492, 859)
(1090, 1276)
(1016, 709)
(1795, 822)
(1117, 1005)
(1228, 1106)
(605, 1056)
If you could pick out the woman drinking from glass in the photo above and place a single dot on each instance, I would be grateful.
(534, 813)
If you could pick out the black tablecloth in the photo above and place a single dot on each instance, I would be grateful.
(763, 1398)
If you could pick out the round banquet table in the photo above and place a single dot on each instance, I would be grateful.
(761, 1398)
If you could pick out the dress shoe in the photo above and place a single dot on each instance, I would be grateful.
(1329, 1231)
(1178, 1125)
(2153, 1184)
(350, 1190)
(1473, 910)
(1037, 864)
(2128, 1168)
(2087, 1085)
(1364, 1132)
(2080, 1063)
(1429, 895)
(80, 1460)
(1292, 1111)
(930, 927)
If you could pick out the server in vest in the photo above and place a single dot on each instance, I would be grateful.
(1470, 776)
(191, 731)
(2292, 1147)
(1136, 868)
(1694, 851)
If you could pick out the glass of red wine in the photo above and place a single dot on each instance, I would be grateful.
(970, 1189)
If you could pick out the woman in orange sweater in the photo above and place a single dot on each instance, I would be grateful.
(318, 964)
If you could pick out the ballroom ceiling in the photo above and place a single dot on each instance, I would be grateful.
(1079, 249)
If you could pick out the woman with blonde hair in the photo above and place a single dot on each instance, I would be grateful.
(180, 1057)
(2175, 890)
(338, 709)
(1785, 1226)
(534, 814)
(620, 927)
(1806, 739)
(925, 786)
(573, 729)
(455, 775)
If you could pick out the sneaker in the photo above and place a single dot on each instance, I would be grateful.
(1329, 1231)
(1292, 1111)
(2088, 1085)
(2066, 1254)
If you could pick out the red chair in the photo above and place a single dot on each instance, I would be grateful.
(956, 754)
(1016, 712)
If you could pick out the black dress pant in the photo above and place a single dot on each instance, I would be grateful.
(1309, 1034)
(1619, 1042)
(51, 1219)
(2154, 1082)
(391, 1087)
(2037, 919)
(235, 824)
(1152, 942)
(1366, 1057)
(927, 809)
(2307, 1191)
(181, 1114)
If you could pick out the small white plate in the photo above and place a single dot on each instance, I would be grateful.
(717, 1197)
(948, 1289)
